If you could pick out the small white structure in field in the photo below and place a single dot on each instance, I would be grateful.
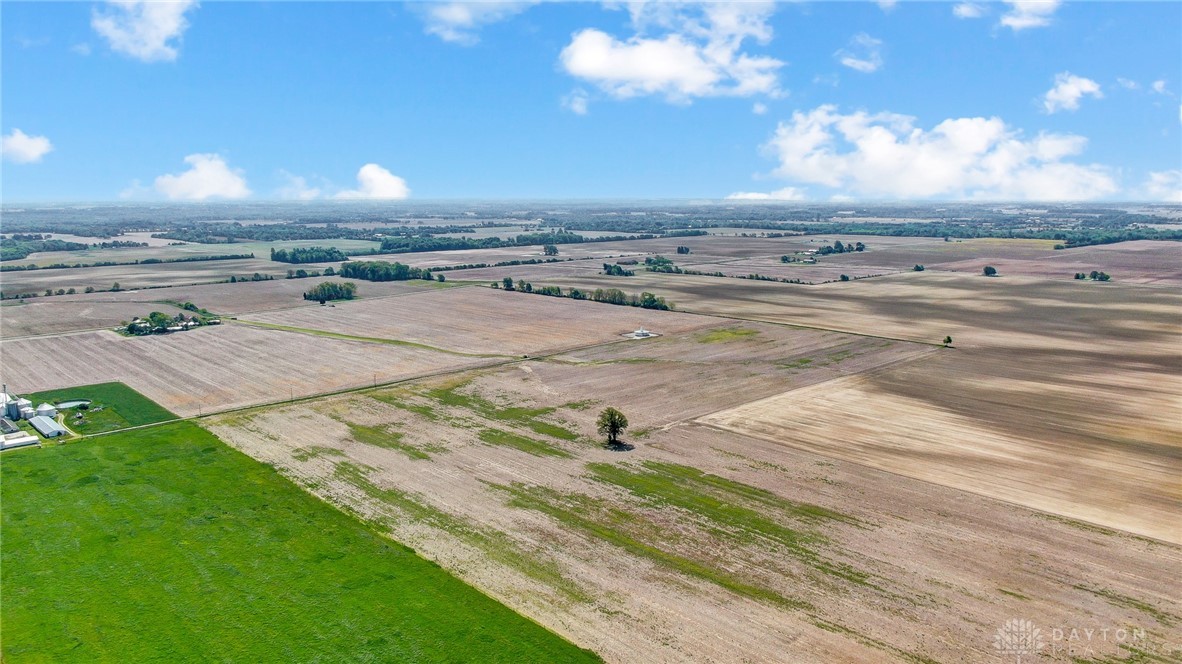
(46, 410)
(641, 333)
(27, 412)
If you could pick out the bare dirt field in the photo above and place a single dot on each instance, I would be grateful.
(1047, 371)
(483, 320)
(138, 276)
(53, 315)
(701, 544)
(215, 368)
(245, 296)
(1140, 262)
(165, 249)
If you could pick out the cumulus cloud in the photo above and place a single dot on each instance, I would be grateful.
(296, 188)
(885, 155)
(143, 29)
(680, 52)
(208, 177)
(968, 10)
(759, 108)
(375, 182)
(1165, 186)
(20, 148)
(863, 54)
(1127, 84)
(887, 5)
(785, 194)
(1067, 92)
(1024, 14)
(460, 22)
(1159, 87)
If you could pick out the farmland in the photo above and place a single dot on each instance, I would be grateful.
(164, 544)
(810, 473)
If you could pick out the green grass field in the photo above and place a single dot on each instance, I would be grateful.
(113, 406)
(164, 544)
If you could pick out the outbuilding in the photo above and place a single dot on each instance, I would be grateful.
(46, 410)
(47, 427)
(20, 439)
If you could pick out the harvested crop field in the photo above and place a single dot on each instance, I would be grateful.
(246, 296)
(215, 368)
(139, 276)
(483, 320)
(55, 315)
(701, 544)
(1140, 262)
(1068, 459)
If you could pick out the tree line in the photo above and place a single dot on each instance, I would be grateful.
(616, 296)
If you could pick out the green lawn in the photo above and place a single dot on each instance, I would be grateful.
(164, 544)
(114, 406)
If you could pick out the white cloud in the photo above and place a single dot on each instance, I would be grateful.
(886, 156)
(692, 51)
(576, 101)
(134, 190)
(143, 29)
(864, 54)
(297, 188)
(1024, 14)
(81, 48)
(208, 177)
(1067, 92)
(373, 181)
(20, 148)
(785, 194)
(460, 22)
(1128, 84)
(887, 5)
(759, 108)
(968, 10)
(1159, 87)
(1165, 186)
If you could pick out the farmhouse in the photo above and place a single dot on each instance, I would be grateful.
(47, 427)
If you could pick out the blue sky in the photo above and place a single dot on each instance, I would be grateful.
(793, 101)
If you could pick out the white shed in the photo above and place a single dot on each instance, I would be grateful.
(47, 427)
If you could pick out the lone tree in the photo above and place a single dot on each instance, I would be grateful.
(612, 423)
(990, 271)
(947, 341)
(550, 250)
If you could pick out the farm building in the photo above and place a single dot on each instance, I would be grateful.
(18, 439)
(13, 405)
(7, 426)
(47, 427)
(46, 410)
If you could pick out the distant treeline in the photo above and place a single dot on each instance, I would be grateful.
(383, 271)
(405, 245)
(145, 261)
(645, 300)
(12, 249)
(477, 266)
(308, 255)
(332, 290)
